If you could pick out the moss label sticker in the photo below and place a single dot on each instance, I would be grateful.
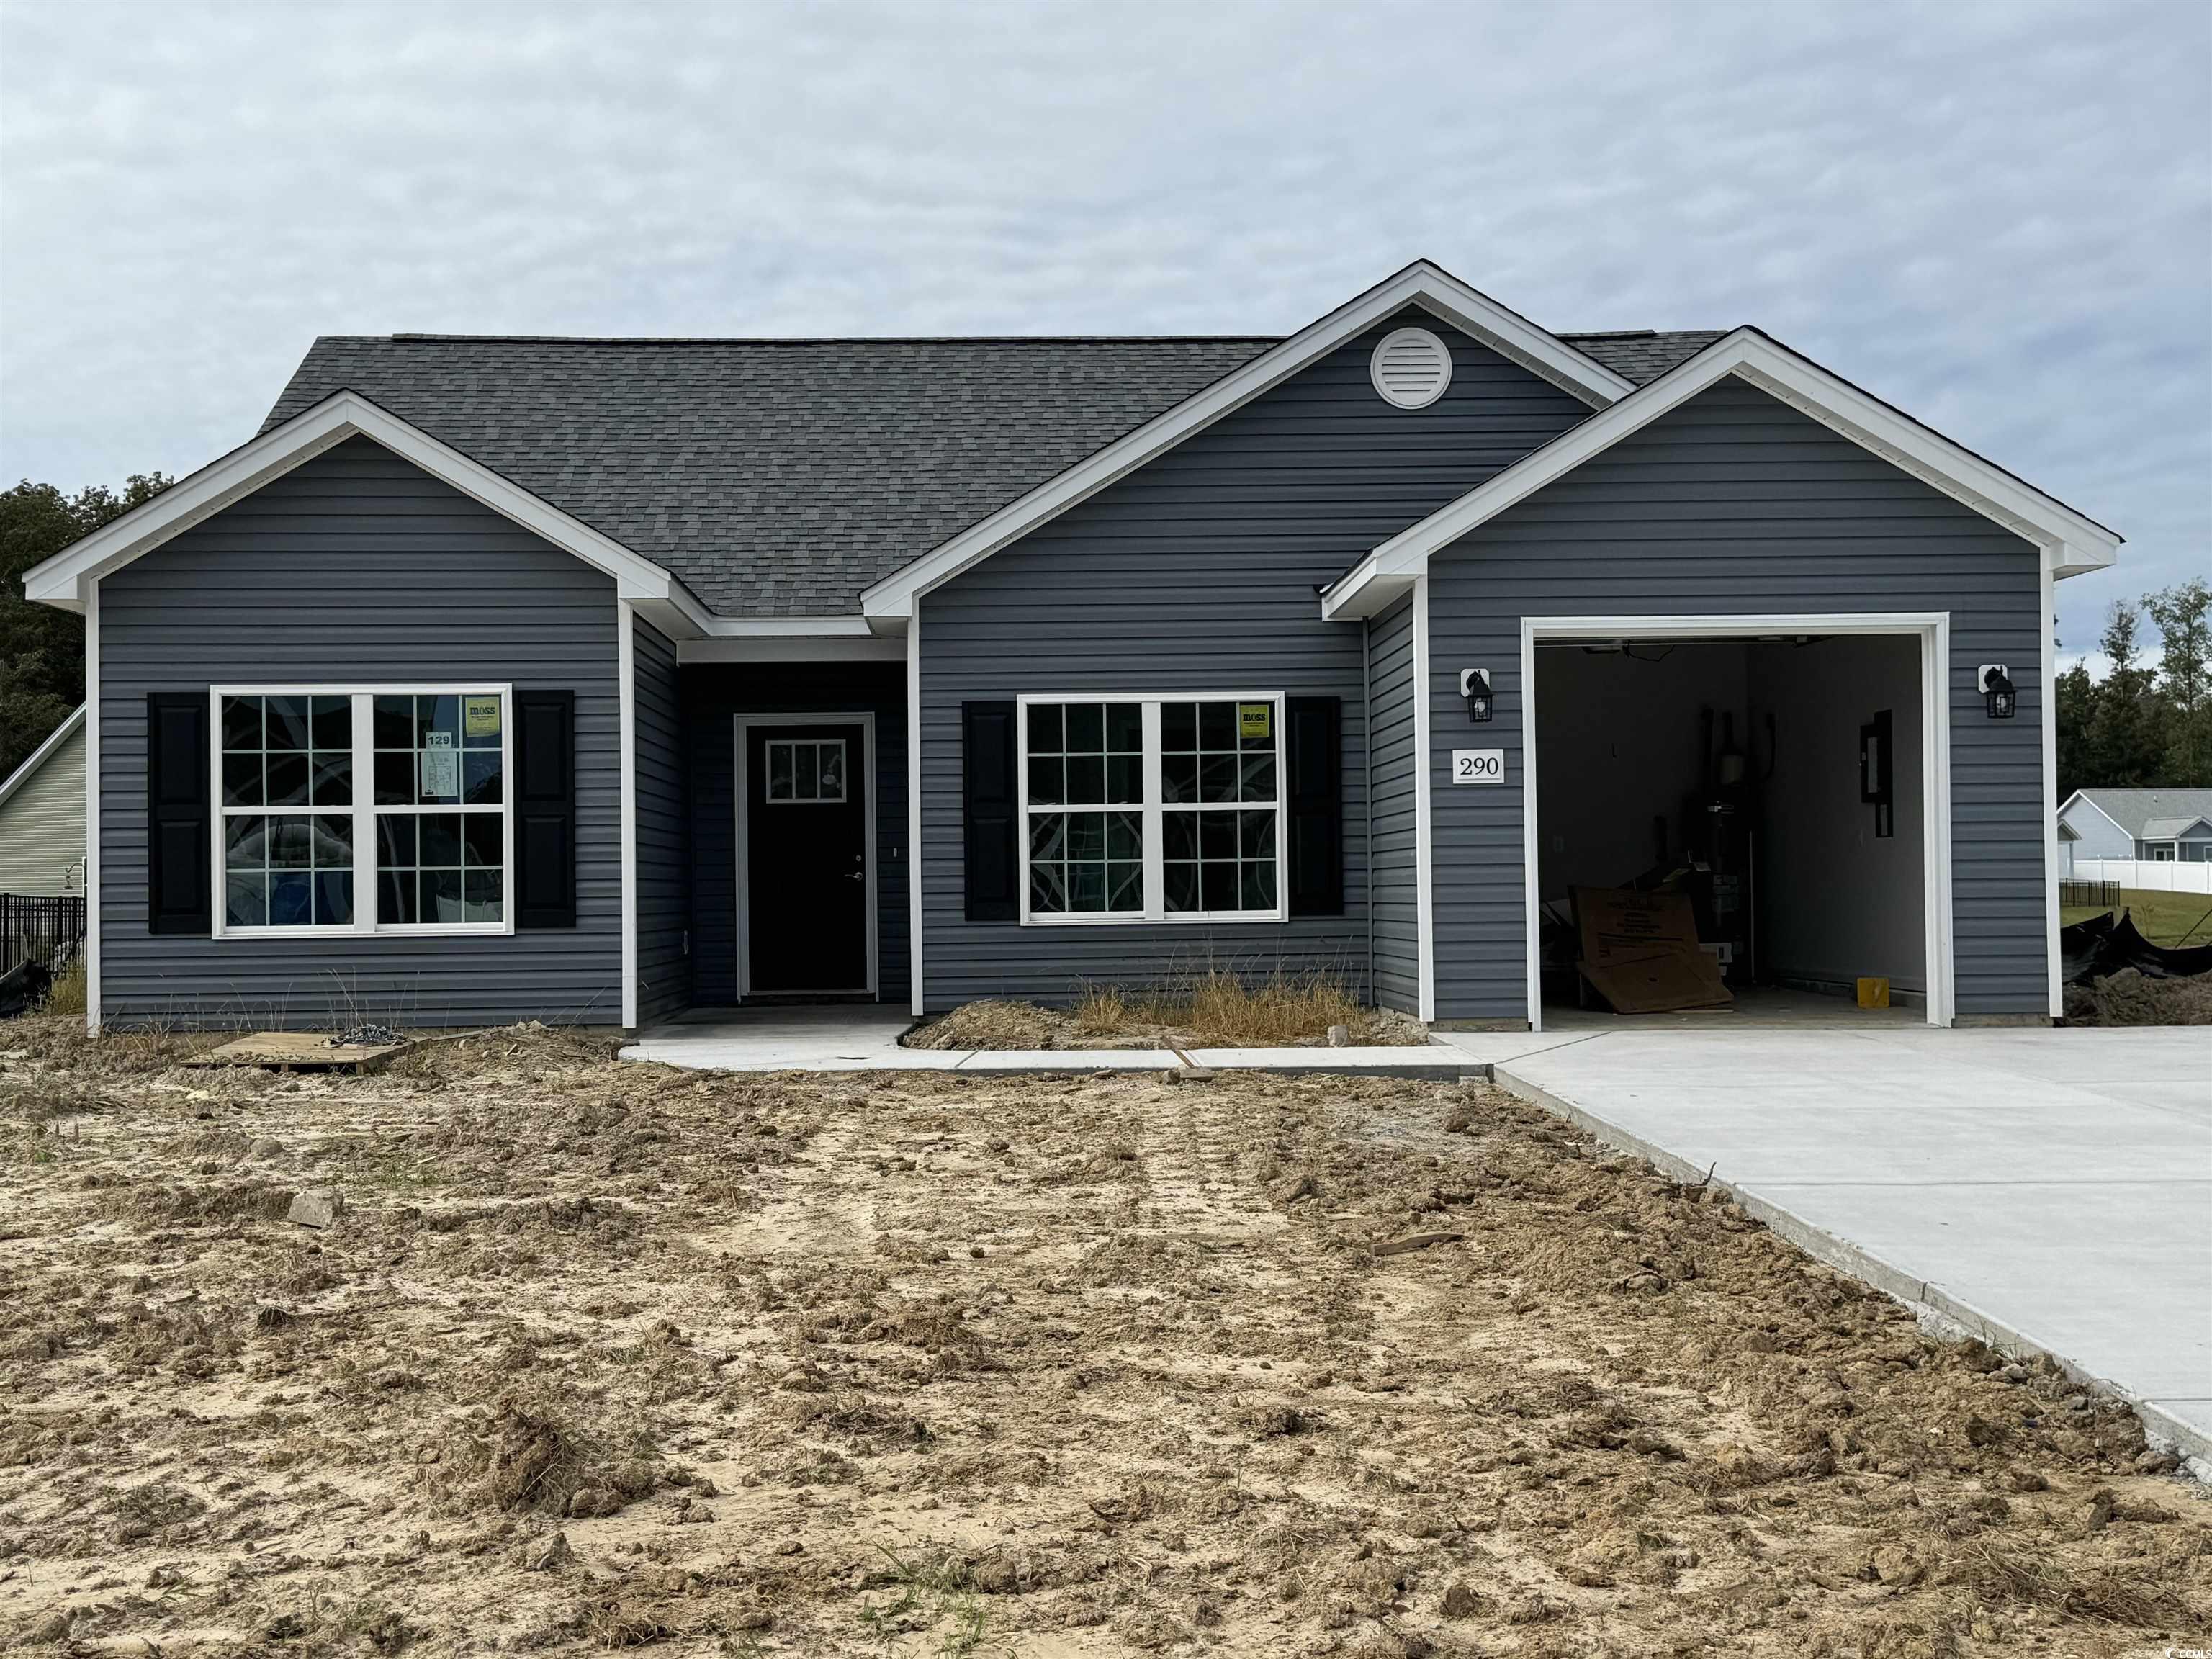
(1255, 720)
(480, 716)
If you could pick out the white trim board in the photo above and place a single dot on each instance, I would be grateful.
(39, 756)
(1933, 630)
(2072, 542)
(92, 804)
(1421, 283)
(626, 723)
(914, 811)
(66, 580)
(740, 725)
(720, 647)
(1425, 915)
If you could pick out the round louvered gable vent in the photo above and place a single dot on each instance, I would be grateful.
(1411, 368)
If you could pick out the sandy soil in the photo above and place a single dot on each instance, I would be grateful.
(600, 1356)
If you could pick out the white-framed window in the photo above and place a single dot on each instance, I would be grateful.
(378, 809)
(803, 771)
(1145, 807)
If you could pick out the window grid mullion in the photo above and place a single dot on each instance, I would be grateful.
(364, 811)
(1154, 848)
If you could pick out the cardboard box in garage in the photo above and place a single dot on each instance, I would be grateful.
(1640, 951)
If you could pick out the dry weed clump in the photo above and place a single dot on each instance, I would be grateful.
(1212, 1009)
(530, 1457)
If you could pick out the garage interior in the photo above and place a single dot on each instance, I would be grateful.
(1774, 784)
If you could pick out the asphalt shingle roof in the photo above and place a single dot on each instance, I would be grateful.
(779, 478)
(2152, 814)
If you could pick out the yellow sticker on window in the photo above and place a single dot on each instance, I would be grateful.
(480, 716)
(1255, 720)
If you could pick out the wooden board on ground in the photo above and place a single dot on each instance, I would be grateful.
(305, 1051)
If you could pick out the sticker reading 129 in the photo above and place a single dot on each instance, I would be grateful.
(1478, 766)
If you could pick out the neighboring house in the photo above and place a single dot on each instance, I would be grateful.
(2163, 826)
(597, 679)
(42, 817)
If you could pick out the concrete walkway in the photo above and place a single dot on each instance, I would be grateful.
(2050, 1189)
(862, 1037)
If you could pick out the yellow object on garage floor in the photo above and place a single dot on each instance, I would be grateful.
(1873, 993)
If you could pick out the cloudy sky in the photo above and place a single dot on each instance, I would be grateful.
(1998, 217)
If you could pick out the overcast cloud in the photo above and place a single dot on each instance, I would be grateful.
(2000, 218)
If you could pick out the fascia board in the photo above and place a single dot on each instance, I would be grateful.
(64, 579)
(39, 756)
(2061, 531)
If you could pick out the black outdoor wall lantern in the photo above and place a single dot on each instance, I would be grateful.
(1996, 688)
(1474, 686)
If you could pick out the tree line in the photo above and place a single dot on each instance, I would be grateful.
(2148, 724)
(42, 649)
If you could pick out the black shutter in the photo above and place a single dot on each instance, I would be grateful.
(180, 844)
(545, 809)
(1316, 806)
(986, 753)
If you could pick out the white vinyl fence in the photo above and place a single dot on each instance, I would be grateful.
(2145, 874)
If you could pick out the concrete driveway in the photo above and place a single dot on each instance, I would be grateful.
(2050, 1187)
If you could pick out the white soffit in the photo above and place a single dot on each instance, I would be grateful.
(66, 580)
(2072, 542)
(1434, 290)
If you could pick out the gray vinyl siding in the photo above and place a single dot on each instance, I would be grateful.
(1199, 572)
(1735, 503)
(714, 696)
(664, 899)
(356, 568)
(42, 824)
(1396, 875)
(2100, 837)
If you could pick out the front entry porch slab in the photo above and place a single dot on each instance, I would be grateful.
(864, 1037)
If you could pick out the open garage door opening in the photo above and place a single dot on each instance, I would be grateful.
(1735, 827)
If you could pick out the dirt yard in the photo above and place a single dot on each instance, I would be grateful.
(607, 1356)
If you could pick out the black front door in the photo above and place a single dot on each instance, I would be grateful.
(806, 859)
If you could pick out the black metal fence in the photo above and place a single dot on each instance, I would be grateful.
(46, 931)
(2101, 895)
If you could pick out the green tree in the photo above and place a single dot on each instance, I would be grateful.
(2126, 735)
(42, 649)
(2077, 704)
(2185, 680)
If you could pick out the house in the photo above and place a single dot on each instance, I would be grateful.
(599, 680)
(42, 817)
(2162, 826)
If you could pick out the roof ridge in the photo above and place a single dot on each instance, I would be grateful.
(816, 339)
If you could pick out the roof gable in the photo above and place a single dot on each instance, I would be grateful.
(2071, 542)
(66, 580)
(888, 603)
(57, 740)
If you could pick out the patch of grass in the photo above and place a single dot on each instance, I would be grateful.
(1102, 1009)
(938, 1587)
(2169, 919)
(66, 997)
(1283, 1008)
